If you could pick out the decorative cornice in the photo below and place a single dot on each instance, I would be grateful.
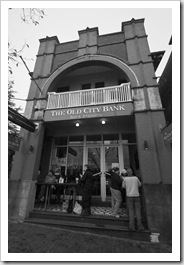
(148, 110)
(144, 86)
(136, 37)
(141, 62)
(45, 53)
(49, 38)
(133, 20)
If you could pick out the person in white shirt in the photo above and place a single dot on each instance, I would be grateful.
(131, 184)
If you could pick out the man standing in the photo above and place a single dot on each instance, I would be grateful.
(131, 184)
(87, 189)
(115, 188)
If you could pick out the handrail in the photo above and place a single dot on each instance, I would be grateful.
(113, 94)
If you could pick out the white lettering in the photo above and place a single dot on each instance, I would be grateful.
(111, 108)
(53, 112)
(98, 109)
(105, 108)
(121, 107)
(115, 107)
(70, 112)
(86, 110)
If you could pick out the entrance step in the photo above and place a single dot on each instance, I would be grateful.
(103, 225)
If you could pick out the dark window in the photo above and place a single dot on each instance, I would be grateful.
(129, 137)
(122, 81)
(62, 89)
(86, 86)
(111, 138)
(60, 140)
(94, 139)
(99, 84)
(76, 140)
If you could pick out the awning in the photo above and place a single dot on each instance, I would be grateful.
(20, 120)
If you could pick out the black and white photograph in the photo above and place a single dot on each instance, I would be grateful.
(87, 175)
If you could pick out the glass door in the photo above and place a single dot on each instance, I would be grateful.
(94, 161)
(111, 156)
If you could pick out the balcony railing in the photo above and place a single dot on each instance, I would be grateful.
(97, 96)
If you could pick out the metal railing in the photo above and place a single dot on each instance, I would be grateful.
(88, 97)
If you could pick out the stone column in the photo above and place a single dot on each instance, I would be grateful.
(155, 161)
(22, 187)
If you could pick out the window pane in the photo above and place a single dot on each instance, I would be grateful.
(111, 139)
(99, 84)
(130, 138)
(94, 164)
(75, 162)
(111, 160)
(59, 158)
(60, 140)
(76, 140)
(94, 139)
(86, 86)
(62, 89)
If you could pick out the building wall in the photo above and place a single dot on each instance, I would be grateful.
(128, 51)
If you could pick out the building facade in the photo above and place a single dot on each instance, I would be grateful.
(100, 105)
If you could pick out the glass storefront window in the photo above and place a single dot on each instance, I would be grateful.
(60, 140)
(111, 160)
(94, 157)
(111, 139)
(94, 139)
(130, 138)
(59, 159)
(74, 162)
(76, 140)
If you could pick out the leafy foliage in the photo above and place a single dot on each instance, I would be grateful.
(27, 15)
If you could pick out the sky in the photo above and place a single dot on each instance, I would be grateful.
(65, 24)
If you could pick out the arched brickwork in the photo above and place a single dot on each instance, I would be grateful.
(93, 58)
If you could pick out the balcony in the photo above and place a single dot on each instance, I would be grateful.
(97, 96)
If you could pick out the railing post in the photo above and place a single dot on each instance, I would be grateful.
(69, 100)
(58, 100)
(80, 98)
(48, 102)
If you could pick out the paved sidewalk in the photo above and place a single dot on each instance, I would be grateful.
(32, 238)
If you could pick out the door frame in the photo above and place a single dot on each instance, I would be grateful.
(102, 163)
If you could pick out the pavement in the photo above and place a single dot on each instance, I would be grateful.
(33, 238)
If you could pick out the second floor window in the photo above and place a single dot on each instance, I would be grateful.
(86, 86)
(62, 89)
(99, 84)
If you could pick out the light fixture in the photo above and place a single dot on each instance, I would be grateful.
(145, 145)
(31, 148)
(103, 121)
(77, 124)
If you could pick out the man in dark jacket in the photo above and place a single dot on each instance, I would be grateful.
(116, 183)
(87, 189)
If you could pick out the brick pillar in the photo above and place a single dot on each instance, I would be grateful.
(88, 41)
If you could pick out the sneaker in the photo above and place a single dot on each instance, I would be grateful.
(116, 215)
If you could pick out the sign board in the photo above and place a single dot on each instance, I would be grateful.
(13, 142)
(167, 134)
(89, 112)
